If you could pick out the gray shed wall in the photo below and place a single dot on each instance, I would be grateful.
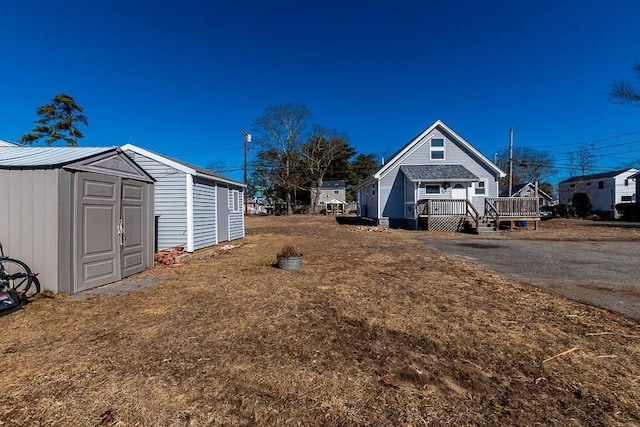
(29, 221)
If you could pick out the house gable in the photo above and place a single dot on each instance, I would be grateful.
(438, 130)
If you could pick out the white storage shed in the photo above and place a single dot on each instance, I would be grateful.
(194, 207)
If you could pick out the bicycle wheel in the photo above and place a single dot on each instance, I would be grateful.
(16, 275)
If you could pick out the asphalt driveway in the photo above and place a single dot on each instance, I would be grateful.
(601, 273)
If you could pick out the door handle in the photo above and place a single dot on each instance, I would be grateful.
(120, 230)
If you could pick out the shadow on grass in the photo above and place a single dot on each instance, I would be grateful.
(353, 220)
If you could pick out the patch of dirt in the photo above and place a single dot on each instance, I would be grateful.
(375, 329)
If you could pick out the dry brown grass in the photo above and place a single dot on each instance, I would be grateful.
(376, 329)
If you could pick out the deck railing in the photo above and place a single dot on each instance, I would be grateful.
(447, 207)
(512, 207)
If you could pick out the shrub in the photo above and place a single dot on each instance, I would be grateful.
(565, 210)
(582, 204)
(289, 251)
(629, 211)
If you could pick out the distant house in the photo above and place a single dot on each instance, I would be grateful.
(437, 177)
(528, 190)
(332, 198)
(605, 190)
(256, 207)
(194, 207)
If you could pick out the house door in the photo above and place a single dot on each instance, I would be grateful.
(131, 228)
(96, 243)
(222, 199)
(458, 191)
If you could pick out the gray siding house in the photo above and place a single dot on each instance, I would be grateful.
(528, 190)
(194, 207)
(81, 217)
(438, 164)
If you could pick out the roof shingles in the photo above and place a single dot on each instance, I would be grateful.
(426, 173)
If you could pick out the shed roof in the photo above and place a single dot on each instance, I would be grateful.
(6, 143)
(426, 173)
(181, 165)
(19, 157)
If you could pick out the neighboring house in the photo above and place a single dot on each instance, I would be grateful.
(80, 217)
(605, 190)
(194, 207)
(7, 144)
(332, 196)
(256, 207)
(528, 190)
(436, 165)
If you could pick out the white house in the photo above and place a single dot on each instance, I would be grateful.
(436, 165)
(605, 190)
(194, 207)
(6, 144)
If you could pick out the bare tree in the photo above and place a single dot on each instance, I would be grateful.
(318, 153)
(625, 92)
(581, 160)
(529, 165)
(280, 132)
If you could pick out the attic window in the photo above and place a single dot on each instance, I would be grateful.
(480, 187)
(437, 149)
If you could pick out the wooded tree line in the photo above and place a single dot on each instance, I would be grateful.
(296, 155)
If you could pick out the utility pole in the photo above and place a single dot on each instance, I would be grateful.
(247, 140)
(510, 162)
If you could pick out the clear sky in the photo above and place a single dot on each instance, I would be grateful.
(184, 78)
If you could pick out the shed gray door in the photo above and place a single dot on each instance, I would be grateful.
(97, 214)
(222, 198)
(132, 241)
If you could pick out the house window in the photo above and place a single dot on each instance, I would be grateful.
(626, 182)
(601, 184)
(431, 189)
(480, 187)
(588, 184)
(572, 185)
(437, 149)
(627, 198)
(373, 190)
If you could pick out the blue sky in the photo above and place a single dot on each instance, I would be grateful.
(184, 78)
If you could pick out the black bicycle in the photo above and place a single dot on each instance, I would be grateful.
(17, 283)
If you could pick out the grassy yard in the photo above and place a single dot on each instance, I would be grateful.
(376, 329)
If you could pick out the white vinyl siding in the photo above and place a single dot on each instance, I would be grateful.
(170, 201)
(204, 214)
(236, 219)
